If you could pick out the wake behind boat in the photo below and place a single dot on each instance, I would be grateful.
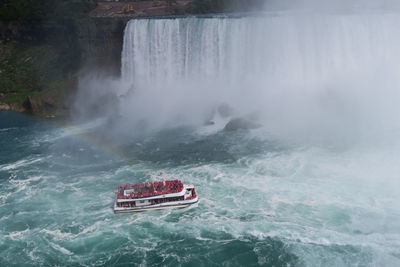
(153, 196)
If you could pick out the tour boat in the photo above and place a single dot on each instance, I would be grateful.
(154, 196)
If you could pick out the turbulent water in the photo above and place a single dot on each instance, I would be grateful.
(261, 201)
(317, 185)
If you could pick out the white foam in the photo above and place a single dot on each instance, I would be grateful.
(58, 235)
(32, 255)
(19, 163)
(24, 185)
(8, 129)
(3, 198)
(17, 235)
(61, 249)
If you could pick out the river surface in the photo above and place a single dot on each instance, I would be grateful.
(263, 201)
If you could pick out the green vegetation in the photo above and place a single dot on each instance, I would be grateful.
(38, 71)
(23, 10)
(28, 10)
(31, 71)
(220, 6)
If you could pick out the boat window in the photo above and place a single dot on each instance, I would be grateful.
(141, 201)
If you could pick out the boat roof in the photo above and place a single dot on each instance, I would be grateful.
(149, 189)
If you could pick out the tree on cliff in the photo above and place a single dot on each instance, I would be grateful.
(220, 6)
(28, 10)
(22, 10)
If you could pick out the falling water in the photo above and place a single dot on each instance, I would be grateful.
(342, 67)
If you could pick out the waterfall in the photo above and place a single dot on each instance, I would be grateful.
(336, 64)
(301, 48)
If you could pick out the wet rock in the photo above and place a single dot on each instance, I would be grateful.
(209, 118)
(40, 105)
(241, 123)
(17, 107)
(4, 106)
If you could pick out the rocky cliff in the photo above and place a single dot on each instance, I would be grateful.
(40, 61)
(100, 42)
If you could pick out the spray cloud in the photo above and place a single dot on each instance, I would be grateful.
(326, 73)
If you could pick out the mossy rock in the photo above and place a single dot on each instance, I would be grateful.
(30, 73)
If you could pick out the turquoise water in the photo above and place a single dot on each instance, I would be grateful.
(263, 201)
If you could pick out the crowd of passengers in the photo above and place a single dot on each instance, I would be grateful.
(150, 189)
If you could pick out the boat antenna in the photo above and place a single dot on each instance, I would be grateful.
(162, 178)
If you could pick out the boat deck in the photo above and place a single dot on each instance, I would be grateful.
(143, 190)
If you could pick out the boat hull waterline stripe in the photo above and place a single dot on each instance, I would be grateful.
(177, 206)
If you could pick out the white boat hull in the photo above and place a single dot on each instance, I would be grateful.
(169, 205)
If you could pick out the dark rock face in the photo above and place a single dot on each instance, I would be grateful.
(16, 31)
(92, 41)
(38, 105)
(53, 32)
(241, 123)
(100, 41)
